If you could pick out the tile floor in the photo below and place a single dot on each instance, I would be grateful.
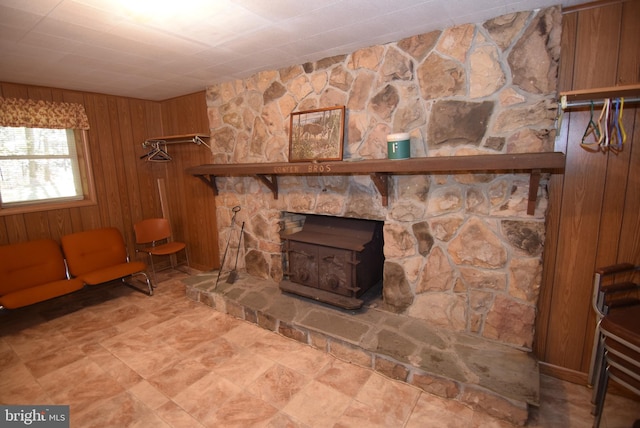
(123, 359)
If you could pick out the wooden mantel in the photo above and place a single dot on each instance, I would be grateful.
(380, 169)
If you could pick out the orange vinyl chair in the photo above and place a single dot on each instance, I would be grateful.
(614, 287)
(154, 236)
(100, 255)
(620, 331)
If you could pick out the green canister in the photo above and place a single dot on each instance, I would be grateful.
(399, 145)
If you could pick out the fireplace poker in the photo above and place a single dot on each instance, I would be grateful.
(234, 273)
(233, 225)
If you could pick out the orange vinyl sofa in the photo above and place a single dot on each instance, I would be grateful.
(34, 271)
(100, 255)
(39, 270)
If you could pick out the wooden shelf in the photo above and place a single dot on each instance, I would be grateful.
(177, 139)
(599, 93)
(380, 169)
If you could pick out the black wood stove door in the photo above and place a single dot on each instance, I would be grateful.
(303, 263)
(335, 270)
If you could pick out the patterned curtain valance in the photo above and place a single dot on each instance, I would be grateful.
(42, 114)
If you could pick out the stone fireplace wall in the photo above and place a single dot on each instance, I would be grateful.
(460, 249)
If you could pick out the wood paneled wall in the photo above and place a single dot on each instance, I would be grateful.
(191, 203)
(127, 186)
(594, 206)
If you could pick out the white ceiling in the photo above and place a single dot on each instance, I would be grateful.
(103, 46)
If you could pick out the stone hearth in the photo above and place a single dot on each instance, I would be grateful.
(484, 375)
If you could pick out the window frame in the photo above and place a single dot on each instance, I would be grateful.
(86, 179)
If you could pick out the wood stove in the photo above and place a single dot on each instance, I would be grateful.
(333, 259)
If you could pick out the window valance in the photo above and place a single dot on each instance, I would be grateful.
(20, 112)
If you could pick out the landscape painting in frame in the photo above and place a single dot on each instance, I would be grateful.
(317, 135)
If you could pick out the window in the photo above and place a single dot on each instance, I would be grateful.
(44, 156)
(43, 168)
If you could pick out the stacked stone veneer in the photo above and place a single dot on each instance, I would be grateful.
(460, 250)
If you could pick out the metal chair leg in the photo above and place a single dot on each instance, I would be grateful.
(601, 395)
(153, 269)
(173, 265)
(150, 285)
(596, 357)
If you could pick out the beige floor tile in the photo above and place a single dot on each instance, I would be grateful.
(620, 412)
(119, 314)
(203, 398)
(151, 396)
(436, 412)
(121, 358)
(306, 360)
(245, 334)
(241, 411)
(201, 315)
(113, 366)
(14, 375)
(274, 346)
(278, 385)
(176, 417)
(392, 398)
(32, 343)
(178, 376)
(244, 368)
(364, 415)
(142, 352)
(48, 362)
(4, 346)
(143, 319)
(122, 410)
(181, 334)
(211, 354)
(346, 378)
(80, 384)
(318, 405)
(25, 391)
(483, 420)
(90, 330)
(282, 420)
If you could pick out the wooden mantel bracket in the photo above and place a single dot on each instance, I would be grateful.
(534, 182)
(209, 180)
(272, 183)
(381, 182)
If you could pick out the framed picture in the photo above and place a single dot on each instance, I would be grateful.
(317, 135)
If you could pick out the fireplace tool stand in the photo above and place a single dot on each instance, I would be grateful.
(235, 210)
(234, 273)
